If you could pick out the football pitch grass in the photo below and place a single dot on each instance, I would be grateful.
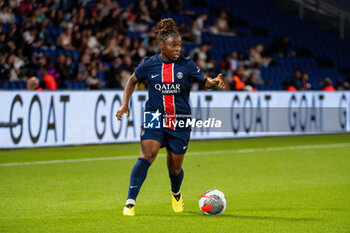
(272, 184)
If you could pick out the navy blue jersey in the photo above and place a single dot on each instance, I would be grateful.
(169, 83)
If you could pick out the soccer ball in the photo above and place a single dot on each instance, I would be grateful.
(212, 202)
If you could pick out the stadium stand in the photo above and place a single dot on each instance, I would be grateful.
(97, 44)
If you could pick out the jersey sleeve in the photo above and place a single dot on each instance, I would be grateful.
(194, 71)
(141, 70)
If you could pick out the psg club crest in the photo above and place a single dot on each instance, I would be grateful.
(179, 75)
(152, 120)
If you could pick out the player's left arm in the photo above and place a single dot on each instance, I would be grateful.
(198, 75)
(214, 82)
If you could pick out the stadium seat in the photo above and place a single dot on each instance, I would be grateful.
(75, 85)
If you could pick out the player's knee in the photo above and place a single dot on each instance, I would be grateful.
(149, 155)
(175, 170)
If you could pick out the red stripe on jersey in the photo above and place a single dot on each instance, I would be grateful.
(170, 111)
(169, 100)
(167, 73)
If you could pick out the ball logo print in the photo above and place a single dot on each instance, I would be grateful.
(179, 75)
(152, 120)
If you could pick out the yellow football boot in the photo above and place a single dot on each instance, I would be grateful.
(178, 205)
(129, 211)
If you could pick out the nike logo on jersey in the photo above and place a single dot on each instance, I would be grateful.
(184, 147)
(198, 69)
(153, 76)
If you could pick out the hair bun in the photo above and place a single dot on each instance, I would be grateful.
(165, 25)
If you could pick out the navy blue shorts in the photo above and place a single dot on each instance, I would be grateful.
(175, 141)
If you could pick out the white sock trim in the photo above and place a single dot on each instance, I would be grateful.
(176, 193)
(130, 201)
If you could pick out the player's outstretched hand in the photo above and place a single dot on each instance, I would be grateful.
(123, 109)
(219, 82)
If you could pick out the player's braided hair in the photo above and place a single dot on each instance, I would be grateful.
(165, 28)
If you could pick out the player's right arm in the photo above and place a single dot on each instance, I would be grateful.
(139, 75)
(129, 89)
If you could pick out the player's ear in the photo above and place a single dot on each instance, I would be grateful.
(161, 45)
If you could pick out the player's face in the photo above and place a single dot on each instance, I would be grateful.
(171, 48)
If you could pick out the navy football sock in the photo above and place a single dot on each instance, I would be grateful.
(137, 177)
(176, 182)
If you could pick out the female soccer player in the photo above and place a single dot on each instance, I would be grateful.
(170, 76)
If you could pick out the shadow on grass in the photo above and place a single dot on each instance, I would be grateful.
(235, 216)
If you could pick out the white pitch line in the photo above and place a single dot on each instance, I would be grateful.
(303, 147)
(253, 150)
